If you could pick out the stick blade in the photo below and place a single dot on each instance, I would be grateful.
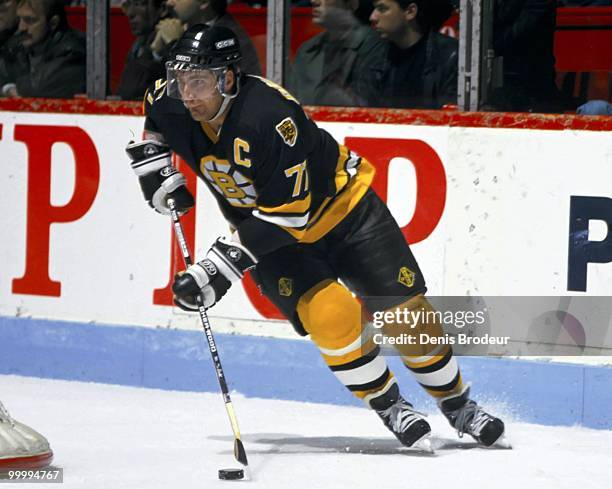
(240, 452)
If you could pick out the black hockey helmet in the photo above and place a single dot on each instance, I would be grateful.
(206, 47)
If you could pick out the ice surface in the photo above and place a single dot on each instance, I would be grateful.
(121, 437)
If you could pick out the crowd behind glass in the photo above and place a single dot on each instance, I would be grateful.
(380, 53)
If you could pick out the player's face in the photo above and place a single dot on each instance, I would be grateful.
(33, 24)
(185, 10)
(199, 91)
(388, 19)
(8, 15)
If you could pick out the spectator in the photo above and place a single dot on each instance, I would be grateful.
(12, 57)
(523, 34)
(143, 65)
(55, 53)
(209, 12)
(420, 63)
(340, 65)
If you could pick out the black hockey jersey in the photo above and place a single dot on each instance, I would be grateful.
(278, 178)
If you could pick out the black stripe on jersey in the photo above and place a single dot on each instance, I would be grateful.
(443, 388)
(321, 212)
(375, 384)
(359, 362)
(284, 214)
(434, 367)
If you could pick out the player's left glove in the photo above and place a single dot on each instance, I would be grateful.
(159, 180)
(226, 262)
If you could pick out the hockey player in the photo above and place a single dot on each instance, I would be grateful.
(304, 217)
(21, 447)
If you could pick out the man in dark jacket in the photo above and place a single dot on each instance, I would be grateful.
(420, 63)
(12, 57)
(523, 33)
(55, 53)
(340, 65)
(210, 12)
(143, 65)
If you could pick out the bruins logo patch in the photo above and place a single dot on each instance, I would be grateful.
(285, 286)
(406, 277)
(288, 131)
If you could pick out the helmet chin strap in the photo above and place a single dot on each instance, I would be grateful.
(227, 98)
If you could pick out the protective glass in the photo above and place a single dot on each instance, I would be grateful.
(189, 82)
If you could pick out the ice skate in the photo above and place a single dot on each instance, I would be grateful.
(408, 425)
(20, 446)
(466, 416)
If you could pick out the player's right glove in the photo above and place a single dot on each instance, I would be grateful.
(226, 262)
(159, 180)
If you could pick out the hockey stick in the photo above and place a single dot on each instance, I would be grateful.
(239, 451)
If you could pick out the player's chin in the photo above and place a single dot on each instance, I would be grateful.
(198, 113)
(198, 116)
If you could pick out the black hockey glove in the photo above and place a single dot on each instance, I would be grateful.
(225, 262)
(159, 180)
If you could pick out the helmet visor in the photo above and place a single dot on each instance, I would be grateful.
(190, 82)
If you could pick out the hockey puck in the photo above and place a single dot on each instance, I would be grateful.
(231, 474)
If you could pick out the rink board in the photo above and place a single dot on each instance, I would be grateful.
(486, 210)
(530, 391)
(85, 263)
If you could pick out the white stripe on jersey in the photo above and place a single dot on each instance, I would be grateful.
(285, 221)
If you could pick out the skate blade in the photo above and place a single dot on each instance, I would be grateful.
(423, 445)
(502, 442)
